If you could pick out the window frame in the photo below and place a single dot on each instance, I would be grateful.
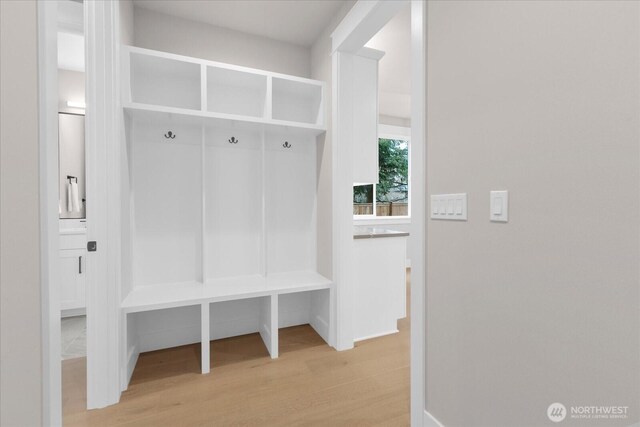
(389, 132)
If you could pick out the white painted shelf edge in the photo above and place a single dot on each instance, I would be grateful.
(156, 112)
(171, 295)
(314, 128)
(181, 58)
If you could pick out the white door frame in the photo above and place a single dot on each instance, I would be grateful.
(364, 20)
(103, 279)
(49, 235)
(419, 208)
(102, 48)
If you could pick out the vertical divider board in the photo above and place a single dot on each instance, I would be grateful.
(263, 171)
(203, 201)
(205, 358)
(204, 98)
(269, 99)
(269, 324)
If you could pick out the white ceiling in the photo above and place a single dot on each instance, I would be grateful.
(394, 77)
(297, 22)
(395, 40)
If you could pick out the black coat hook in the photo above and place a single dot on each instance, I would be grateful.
(286, 144)
(170, 135)
(233, 140)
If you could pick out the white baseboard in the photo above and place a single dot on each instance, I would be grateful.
(368, 337)
(321, 326)
(430, 421)
(265, 334)
(290, 318)
(234, 328)
(131, 364)
(166, 338)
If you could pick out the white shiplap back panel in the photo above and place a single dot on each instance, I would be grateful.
(290, 203)
(166, 185)
(233, 194)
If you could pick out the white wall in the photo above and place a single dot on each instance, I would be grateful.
(70, 88)
(541, 99)
(20, 295)
(394, 121)
(126, 22)
(158, 31)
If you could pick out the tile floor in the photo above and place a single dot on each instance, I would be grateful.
(74, 337)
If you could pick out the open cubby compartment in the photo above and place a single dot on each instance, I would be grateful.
(168, 82)
(301, 308)
(297, 100)
(233, 202)
(246, 316)
(166, 191)
(290, 170)
(166, 328)
(231, 91)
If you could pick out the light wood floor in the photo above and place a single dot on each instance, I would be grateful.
(310, 384)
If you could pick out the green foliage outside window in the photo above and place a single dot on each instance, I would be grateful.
(393, 175)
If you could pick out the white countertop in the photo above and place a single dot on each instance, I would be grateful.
(376, 232)
(73, 226)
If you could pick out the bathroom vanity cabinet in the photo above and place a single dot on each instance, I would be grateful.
(72, 267)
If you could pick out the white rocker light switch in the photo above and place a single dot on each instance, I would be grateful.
(451, 207)
(499, 206)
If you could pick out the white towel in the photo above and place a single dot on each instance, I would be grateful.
(74, 197)
(69, 202)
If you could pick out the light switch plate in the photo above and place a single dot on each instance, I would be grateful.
(499, 206)
(451, 207)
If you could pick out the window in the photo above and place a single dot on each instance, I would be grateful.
(390, 197)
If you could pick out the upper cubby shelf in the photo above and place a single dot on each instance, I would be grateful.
(159, 85)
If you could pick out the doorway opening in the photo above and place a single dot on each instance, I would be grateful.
(72, 198)
(111, 358)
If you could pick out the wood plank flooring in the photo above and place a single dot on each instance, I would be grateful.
(310, 384)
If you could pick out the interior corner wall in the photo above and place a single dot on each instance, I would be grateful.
(21, 371)
(126, 10)
(321, 70)
(154, 30)
(541, 99)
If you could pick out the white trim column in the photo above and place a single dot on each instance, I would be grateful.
(103, 202)
(49, 237)
(418, 209)
(342, 199)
